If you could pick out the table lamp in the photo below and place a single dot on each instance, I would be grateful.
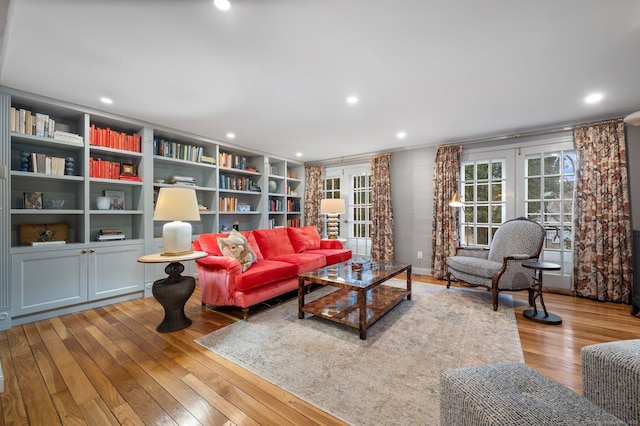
(175, 205)
(333, 208)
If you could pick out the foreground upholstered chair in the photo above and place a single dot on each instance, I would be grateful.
(611, 378)
(499, 268)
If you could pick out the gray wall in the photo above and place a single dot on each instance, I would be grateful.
(412, 189)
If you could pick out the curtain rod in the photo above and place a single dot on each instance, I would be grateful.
(558, 128)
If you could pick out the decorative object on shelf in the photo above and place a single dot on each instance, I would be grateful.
(55, 204)
(182, 180)
(333, 208)
(176, 204)
(292, 175)
(32, 200)
(128, 169)
(272, 186)
(30, 234)
(110, 234)
(25, 161)
(235, 226)
(70, 166)
(103, 203)
(117, 199)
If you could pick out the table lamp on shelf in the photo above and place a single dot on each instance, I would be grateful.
(175, 205)
(333, 208)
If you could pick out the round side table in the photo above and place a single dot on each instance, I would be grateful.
(174, 291)
(533, 314)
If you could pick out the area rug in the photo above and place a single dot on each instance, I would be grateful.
(392, 377)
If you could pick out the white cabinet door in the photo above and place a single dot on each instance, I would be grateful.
(114, 270)
(48, 280)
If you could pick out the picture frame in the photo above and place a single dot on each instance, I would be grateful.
(33, 200)
(128, 169)
(117, 199)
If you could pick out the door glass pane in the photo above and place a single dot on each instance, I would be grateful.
(483, 192)
(551, 187)
(483, 171)
(482, 236)
(533, 166)
(552, 164)
(496, 191)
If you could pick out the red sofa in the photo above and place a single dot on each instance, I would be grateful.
(282, 254)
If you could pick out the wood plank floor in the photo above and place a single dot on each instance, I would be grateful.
(109, 366)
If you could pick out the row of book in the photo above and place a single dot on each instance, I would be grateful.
(29, 123)
(110, 138)
(293, 205)
(233, 161)
(110, 234)
(48, 164)
(275, 205)
(181, 151)
(294, 223)
(237, 183)
(104, 169)
(230, 204)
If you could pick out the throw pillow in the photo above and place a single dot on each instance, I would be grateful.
(236, 245)
(304, 238)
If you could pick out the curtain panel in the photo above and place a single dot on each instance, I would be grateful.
(444, 235)
(603, 235)
(314, 185)
(382, 248)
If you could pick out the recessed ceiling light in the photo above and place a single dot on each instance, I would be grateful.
(298, 154)
(222, 4)
(401, 135)
(352, 100)
(594, 98)
(231, 135)
(106, 100)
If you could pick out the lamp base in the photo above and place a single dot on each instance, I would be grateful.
(177, 253)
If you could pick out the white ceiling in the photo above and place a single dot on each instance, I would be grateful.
(277, 72)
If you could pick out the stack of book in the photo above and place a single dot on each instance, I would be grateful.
(67, 136)
(360, 264)
(182, 180)
(111, 234)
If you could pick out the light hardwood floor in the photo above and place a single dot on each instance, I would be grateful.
(109, 366)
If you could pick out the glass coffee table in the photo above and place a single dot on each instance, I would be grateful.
(361, 298)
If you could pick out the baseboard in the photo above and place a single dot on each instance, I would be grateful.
(420, 271)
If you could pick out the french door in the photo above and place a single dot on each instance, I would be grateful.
(536, 181)
(353, 184)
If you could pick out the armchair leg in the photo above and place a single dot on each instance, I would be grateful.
(448, 279)
(494, 292)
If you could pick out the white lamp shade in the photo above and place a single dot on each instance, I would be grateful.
(175, 205)
(332, 206)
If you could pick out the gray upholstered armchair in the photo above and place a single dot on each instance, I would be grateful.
(499, 267)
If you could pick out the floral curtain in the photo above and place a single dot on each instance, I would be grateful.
(444, 236)
(312, 195)
(382, 248)
(602, 243)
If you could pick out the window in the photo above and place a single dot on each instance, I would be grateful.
(483, 187)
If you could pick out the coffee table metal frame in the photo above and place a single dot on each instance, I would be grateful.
(360, 300)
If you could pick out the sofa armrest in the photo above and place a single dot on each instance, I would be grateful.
(212, 263)
(331, 244)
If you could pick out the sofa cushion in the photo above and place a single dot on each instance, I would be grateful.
(304, 238)
(333, 255)
(304, 262)
(237, 246)
(475, 266)
(273, 242)
(265, 272)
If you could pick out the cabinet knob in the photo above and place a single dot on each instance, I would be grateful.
(92, 251)
(83, 252)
